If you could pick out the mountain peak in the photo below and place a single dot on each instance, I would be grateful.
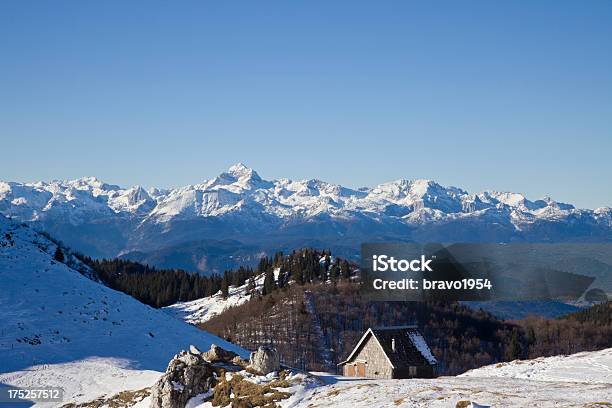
(90, 182)
(240, 171)
(238, 168)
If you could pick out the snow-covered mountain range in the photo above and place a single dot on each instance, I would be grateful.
(238, 216)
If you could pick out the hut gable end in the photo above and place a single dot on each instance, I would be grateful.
(371, 354)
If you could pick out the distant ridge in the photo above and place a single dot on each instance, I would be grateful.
(240, 214)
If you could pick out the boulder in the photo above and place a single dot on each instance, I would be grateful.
(265, 360)
(239, 361)
(187, 375)
(217, 353)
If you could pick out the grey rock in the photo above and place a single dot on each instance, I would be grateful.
(187, 375)
(239, 361)
(194, 350)
(217, 353)
(265, 360)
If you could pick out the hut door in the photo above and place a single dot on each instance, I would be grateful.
(350, 370)
(360, 370)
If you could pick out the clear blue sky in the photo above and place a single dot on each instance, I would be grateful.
(510, 95)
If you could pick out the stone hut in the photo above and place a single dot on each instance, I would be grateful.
(391, 352)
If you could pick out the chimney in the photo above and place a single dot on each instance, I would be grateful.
(393, 345)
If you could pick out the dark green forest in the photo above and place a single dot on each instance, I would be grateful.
(163, 287)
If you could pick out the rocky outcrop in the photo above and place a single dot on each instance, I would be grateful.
(188, 374)
(265, 360)
(240, 362)
(191, 373)
(217, 353)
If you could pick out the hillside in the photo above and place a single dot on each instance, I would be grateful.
(161, 287)
(312, 298)
(236, 217)
(327, 320)
(587, 367)
(197, 293)
(597, 314)
(203, 309)
(580, 380)
(509, 310)
(280, 272)
(60, 328)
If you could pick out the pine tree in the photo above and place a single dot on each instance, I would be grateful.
(297, 274)
(333, 272)
(282, 278)
(59, 255)
(268, 285)
(514, 350)
(225, 285)
(345, 270)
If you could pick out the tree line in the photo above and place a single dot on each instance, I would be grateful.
(159, 287)
(162, 287)
(600, 313)
(302, 267)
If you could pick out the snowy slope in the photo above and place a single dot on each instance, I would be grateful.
(591, 367)
(564, 381)
(201, 310)
(239, 205)
(60, 328)
(581, 380)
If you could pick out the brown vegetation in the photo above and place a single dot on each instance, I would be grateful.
(123, 399)
(246, 394)
(460, 338)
